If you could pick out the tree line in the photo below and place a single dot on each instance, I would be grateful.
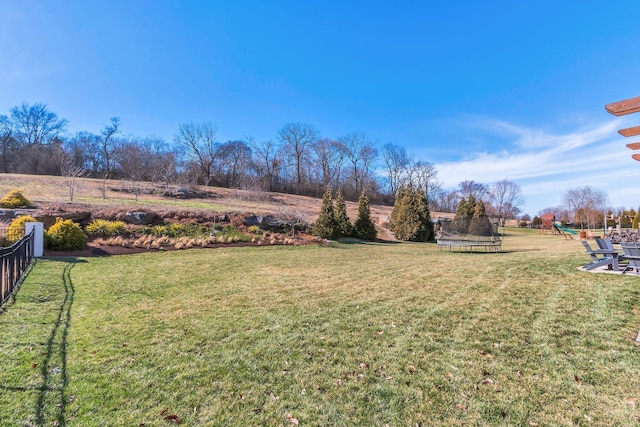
(298, 160)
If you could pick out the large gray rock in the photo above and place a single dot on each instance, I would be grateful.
(139, 218)
(266, 222)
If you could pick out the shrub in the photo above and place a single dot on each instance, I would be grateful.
(106, 228)
(14, 199)
(66, 236)
(254, 229)
(15, 231)
(98, 227)
(117, 227)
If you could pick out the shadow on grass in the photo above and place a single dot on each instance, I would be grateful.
(56, 352)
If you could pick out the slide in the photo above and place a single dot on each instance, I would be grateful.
(563, 230)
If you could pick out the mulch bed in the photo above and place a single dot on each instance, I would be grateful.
(93, 250)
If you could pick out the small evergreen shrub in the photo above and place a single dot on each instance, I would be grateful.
(14, 199)
(66, 236)
(15, 231)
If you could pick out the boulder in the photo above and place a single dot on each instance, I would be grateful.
(267, 223)
(186, 193)
(139, 218)
(48, 219)
(252, 220)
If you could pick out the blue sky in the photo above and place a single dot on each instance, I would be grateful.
(483, 90)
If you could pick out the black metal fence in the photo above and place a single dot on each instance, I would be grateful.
(14, 262)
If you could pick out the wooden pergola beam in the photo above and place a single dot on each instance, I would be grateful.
(636, 157)
(634, 145)
(630, 131)
(621, 108)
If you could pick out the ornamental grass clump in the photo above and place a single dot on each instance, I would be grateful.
(101, 227)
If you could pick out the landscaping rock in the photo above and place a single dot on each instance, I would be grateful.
(186, 193)
(267, 223)
(139, 218)
(80, 217)
(252, 220)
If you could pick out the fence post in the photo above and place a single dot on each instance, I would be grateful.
(38, 237)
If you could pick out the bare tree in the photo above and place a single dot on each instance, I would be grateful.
(71, 171)
(471, 188)
(235, 161)
(422, 175)
(445, 201)
(162, 159)
(7, 144)
(135, 160)
(35, 124)
(106, 150)
(506, 197)
(267, 162)
(329, 158)
(85, 147)
(297, 140)
(35, 129)
(360, 153)
(396, 162)
(587, 203)
(296, 219)
(199, 139)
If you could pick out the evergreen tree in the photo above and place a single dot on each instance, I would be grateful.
(364, 228)
(325, 226)
(464, 213)
(343, 225)
(480, 224)
(411, 218)
(397, 207)
(425, 231)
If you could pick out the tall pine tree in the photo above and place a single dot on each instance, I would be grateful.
(364, 228)
(343, 225)
(325, 226)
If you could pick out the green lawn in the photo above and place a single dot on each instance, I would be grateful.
(347, 334)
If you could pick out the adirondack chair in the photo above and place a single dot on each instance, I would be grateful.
(601, 257)
(631, 254)
(605, 243)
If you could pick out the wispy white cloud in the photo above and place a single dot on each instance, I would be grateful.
(547, 164)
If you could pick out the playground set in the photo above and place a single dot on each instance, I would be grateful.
(550, 224)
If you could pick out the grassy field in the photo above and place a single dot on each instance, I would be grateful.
(395, 334)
